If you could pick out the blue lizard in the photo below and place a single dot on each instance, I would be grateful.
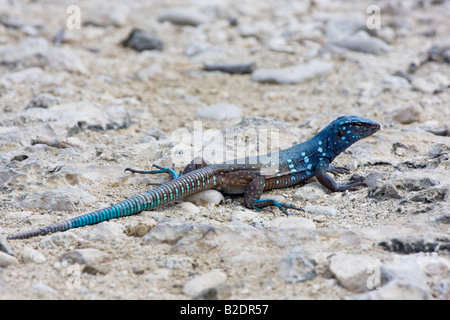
(250, 176)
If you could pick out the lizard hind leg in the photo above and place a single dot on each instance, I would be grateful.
(195, 164)
(253, 194)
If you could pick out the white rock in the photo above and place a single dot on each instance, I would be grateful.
(353, 271)
(325, 210)
(292, 223)
(205, 281)
(183, 16)
(159, 274)
(43, 288)
(148, 73)
(243, 214)
(296, 74)
(220, 112)
(30, 255)
(188, 207)
(7, 260)
(310, 192)
(206, 197)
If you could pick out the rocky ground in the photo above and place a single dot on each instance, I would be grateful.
(80, 103)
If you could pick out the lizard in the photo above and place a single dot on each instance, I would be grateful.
(250, 176)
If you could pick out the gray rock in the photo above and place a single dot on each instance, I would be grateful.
(344, 25)
(148, 73)
(417, 243)
(385, 192)
(195, 48)
(402, 279)
(92, 259)
(29, 75)
(361, 42)
(230, 67)
(431, 195)
(183, 16)
(431, 83)
(66, 198)
(394, 83)
(43, 100)
(413, 184)
(38, 51)
(141, 40)
(407, 115)
(442, 289)
(60, 239)
(74, 117)
(41, 287)
(296, 266)
(296, 74)
(220, 112)
(182, 235)
(395, 290)
(203, 282)
(353, 271)
(372, 179)
(4, 247)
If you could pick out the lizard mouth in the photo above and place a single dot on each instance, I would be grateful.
(376, 126)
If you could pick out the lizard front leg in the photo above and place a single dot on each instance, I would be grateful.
(329, 183)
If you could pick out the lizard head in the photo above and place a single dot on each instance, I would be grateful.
(349, 129)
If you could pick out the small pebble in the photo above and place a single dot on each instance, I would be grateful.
(141, 40)
(183, 16)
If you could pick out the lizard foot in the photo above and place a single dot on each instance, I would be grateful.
(279, 205)
(172, 172)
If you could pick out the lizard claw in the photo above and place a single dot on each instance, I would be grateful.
(338, 170)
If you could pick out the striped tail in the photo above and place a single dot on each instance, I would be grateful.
(176, 189)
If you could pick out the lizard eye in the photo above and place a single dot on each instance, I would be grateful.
(358, 124)
(340, 133)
